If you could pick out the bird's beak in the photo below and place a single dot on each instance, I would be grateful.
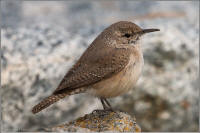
(149, 30)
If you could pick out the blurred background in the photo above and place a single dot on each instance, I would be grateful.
(40, 41)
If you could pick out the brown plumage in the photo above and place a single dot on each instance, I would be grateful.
(52, 99)
(115, 51)
(48, 101)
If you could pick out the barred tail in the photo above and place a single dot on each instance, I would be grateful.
(48, 101)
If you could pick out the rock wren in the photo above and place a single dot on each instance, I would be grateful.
(109, 67)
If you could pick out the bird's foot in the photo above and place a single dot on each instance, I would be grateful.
(109, 109)
(97, 110)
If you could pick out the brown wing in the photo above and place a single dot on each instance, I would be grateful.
(96, 63)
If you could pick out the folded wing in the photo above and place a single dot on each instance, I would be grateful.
(94, 65)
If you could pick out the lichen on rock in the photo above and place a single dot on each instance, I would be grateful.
(100, 121)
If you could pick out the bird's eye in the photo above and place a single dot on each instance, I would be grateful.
(127, 35)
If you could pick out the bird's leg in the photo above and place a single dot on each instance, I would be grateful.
(108, 103)
(110, 107)
(103, 103)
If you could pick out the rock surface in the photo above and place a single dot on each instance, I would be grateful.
(100, 121)
(39, 48)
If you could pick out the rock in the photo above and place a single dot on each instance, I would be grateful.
(11, 13)
(100, 121)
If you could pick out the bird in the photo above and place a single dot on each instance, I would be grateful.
(109, 67)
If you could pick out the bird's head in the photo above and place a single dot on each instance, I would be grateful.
(128, 32)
